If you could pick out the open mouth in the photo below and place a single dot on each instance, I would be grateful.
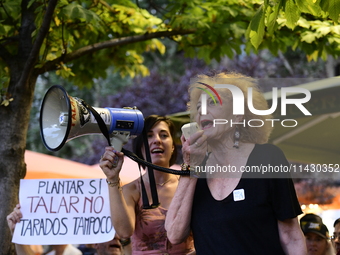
(157, 151)
(312, 250)
(114, 246)
(206, 124)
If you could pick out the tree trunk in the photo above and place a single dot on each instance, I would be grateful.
(13, 125)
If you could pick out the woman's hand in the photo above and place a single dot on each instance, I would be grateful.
(194, 148)
(14, 217)
(111, 163)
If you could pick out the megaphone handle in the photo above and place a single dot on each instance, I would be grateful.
(118, 140)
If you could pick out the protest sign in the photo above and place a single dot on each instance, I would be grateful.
(64, 211)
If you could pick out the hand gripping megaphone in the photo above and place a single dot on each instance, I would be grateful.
(63, 118)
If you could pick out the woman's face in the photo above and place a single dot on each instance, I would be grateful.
(316, 245)
(160, 144)
(219, 119)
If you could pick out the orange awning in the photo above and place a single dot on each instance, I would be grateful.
(43, 166)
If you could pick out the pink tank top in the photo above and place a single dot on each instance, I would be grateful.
(150, 235)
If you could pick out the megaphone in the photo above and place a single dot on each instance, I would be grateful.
(63, 118)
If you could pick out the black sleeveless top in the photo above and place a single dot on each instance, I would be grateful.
(245, 222)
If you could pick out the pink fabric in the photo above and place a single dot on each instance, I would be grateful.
(150, 235)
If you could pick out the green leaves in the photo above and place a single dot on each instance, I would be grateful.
(303, 24)
(292, 13)
(308, 37)
(9, 18)
(309, 6)
(80, 29)
(256, 28)
(272, 14)
(332, 7)
(74, 11)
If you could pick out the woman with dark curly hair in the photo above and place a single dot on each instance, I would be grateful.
(129, 218)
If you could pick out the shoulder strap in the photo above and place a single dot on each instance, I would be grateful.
(153, 188)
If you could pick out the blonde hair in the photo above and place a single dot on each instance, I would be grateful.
(258, 133)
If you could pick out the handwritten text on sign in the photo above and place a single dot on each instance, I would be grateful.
(64, 211)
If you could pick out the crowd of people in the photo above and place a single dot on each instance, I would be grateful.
(207, 213)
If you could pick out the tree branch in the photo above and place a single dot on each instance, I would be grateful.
(52, 65)
(45, 26)
(286, 64)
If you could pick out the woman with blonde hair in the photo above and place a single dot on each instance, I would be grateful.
(317, 239)
(234, 209)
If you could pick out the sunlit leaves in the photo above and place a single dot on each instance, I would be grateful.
(157, 45)
(309, 6)
(332, 7)
(6, 101)
(75, 12)
(292, 13)
(308, 37)
(221, 27)
(64, 71)
(272, 15)
(256, 28)
(312, 33)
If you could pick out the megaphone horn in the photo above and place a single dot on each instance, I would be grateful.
(63, 118)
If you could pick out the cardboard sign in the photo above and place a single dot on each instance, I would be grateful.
(64, 211)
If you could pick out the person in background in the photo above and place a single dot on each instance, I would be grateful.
(233, 212)
(309, 217)
(14, 217)
(129, 218)
(317, 239)
(336, 236)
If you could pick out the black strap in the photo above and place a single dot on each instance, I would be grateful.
(99, 120)
(145, 199)
(153, 188)
(135, 158)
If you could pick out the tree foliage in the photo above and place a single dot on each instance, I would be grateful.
(83, 38)
(80, 39)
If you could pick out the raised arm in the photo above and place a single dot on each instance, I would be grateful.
(292, 238)
(122, 201)
(12, 219)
